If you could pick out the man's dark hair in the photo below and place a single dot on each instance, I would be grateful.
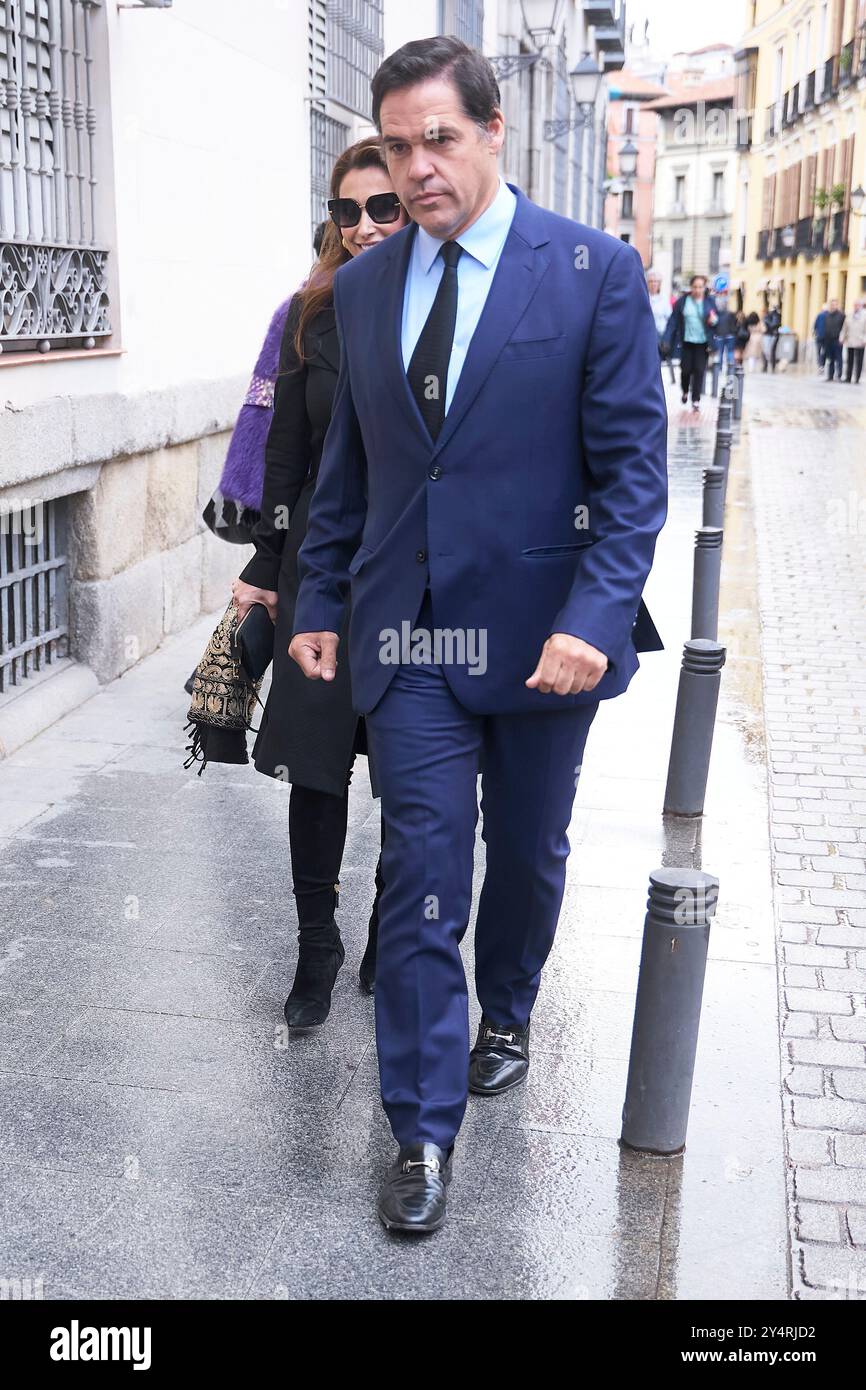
(442, 56)
(698, 277)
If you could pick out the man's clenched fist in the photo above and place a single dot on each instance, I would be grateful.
(316, 654)
(567, 666)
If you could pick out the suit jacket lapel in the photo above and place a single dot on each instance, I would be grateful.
(518, 275)
(391, 284)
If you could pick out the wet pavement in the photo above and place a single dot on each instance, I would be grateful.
(160, 1137)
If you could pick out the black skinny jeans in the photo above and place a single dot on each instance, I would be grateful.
(693, 366)
(317, 838)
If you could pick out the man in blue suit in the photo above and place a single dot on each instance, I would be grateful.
(492, 485)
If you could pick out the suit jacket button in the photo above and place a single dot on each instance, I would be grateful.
(435, 472)
(420, 556)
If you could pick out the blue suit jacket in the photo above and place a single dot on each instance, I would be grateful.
(559, 406)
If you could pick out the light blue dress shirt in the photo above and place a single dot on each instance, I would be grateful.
(482, 246)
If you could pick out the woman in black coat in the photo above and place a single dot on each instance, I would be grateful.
(309, 733)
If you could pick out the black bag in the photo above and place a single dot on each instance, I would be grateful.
(253, 642)
(229, 521)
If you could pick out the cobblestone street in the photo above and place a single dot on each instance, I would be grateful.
(159, 1139)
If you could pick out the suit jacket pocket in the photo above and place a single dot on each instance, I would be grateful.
(519, 349)
(543, 551)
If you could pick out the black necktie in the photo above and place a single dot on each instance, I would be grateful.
(428, 368)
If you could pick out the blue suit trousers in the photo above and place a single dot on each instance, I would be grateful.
(428, 749)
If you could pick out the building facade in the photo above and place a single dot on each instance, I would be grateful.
(161, 172)
(628, 208)
(695, 168)
(801, 91)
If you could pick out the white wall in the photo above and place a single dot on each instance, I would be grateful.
(211, 186)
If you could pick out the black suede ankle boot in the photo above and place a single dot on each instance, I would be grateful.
(320, 954)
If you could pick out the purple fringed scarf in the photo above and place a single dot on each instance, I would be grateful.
(244, 469)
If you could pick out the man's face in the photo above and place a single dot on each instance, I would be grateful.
(834, 305)
(443, 165)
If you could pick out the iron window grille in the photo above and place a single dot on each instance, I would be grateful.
(53, 269)
(328, 139)
(463, 19)
(34, 621)
(354, 51)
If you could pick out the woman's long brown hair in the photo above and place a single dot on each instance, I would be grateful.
(318, 291)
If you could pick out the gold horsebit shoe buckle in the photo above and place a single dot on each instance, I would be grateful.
(431, 1163)
(503, 1037)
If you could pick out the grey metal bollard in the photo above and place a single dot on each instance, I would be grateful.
(667, 1013)
(694, 720)
(714, 508)
(726, 409)
(739, 379)
(706, 580)
(722, 452)
(715, 369)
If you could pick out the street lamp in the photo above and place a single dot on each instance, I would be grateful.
(788, 236)
(585, 78)
(541, 19)
(856, 200)
(628, 160)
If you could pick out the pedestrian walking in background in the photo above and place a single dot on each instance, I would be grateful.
(754, 351)
(853, 336)
(310, 734)
(658, 304)
(772, 324)
(725, 337)
(833, 326)
(742, 335)
(691, 329)
(818, 332)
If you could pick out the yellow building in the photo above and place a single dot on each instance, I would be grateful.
(800, 106)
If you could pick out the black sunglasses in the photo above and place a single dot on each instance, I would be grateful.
(381, 208)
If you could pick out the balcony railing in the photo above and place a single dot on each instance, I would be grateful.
(807, 90)
(744, 132)
(792, 104)
(764, 252)
(819, 236)
(839, 230)
(783, 252)
(846, 64)
(829, 78)
(803, 240)
(599, 11)
(770, 126)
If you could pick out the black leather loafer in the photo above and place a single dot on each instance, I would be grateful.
(412, 1197)
(499, 1059)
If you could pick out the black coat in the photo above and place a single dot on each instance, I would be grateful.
(309, 732)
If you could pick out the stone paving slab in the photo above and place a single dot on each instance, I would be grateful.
(805, 440)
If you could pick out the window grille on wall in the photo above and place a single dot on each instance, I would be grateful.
(328, 139)
(464, 19)
(53, 269)
(354, 51)
(34, 623)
